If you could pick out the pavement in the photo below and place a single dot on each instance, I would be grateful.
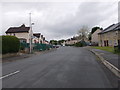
(14, 58)
(108, 58)
(21, 56)
(66, 67)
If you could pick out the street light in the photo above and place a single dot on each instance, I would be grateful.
(30, 36)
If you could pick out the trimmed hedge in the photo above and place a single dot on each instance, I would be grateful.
(10, 44)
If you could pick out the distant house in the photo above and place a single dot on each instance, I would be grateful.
(42, 39)
(22, 32)
(46, 42)
(110, 36)
(71, 41)
(94, 37)
(36, 37)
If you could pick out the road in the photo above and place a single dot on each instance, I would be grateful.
(66, 67)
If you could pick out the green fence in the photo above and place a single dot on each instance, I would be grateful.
(24, 45)
(36, 47)
(41, 47)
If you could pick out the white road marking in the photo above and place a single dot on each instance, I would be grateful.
(9, 74)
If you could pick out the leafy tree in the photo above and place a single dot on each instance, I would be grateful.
(54, 42)
(61, 41)
(94, 29)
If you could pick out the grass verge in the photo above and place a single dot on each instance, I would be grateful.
(109, 49)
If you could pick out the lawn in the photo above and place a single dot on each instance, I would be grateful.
(109, 49)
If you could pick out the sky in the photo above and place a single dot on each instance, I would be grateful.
(57, 19)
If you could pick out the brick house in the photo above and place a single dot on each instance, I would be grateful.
(110, 36)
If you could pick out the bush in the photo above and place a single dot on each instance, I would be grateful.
(22, 47)
(80, 44)
(10, 44)
(116, 49)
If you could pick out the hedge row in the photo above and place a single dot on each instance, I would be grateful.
(10, 44)
(80, 44)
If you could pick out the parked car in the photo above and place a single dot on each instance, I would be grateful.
(55, 46)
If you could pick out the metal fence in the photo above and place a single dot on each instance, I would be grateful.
(37, 46)
(41, 47)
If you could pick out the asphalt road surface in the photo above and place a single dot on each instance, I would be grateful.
(66, 67)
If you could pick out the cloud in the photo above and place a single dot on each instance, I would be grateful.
(59, 20)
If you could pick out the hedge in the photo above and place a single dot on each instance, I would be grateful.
(80, 44)
(10, 44)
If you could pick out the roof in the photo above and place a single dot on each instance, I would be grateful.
(41, 36)
(36, 34)
(20, 29)
(112, 27)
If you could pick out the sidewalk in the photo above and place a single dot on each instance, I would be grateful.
(10, 59)
(23, 55)
(109, 59)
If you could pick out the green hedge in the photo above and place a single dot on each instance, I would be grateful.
(80, 44)
(10, 44)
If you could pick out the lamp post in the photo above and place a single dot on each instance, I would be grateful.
(30, 32)
(30, 35)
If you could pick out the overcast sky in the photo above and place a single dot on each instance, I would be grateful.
(59, 20)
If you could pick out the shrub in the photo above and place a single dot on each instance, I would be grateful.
(116, 49)
(80, 44)
(10, 44)
(22, 47)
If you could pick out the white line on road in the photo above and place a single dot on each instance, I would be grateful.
(9, 74)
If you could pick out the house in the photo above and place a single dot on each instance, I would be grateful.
(42, 39)
(110, 36)
(71, 41)
(36, 38)
(46, 42)
(22, 32)
(94, 37)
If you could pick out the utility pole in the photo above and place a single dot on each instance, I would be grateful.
(30, 36)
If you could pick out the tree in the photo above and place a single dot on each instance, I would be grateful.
(94, 29)
(83, 32)
(54, 42)
(61, 41)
